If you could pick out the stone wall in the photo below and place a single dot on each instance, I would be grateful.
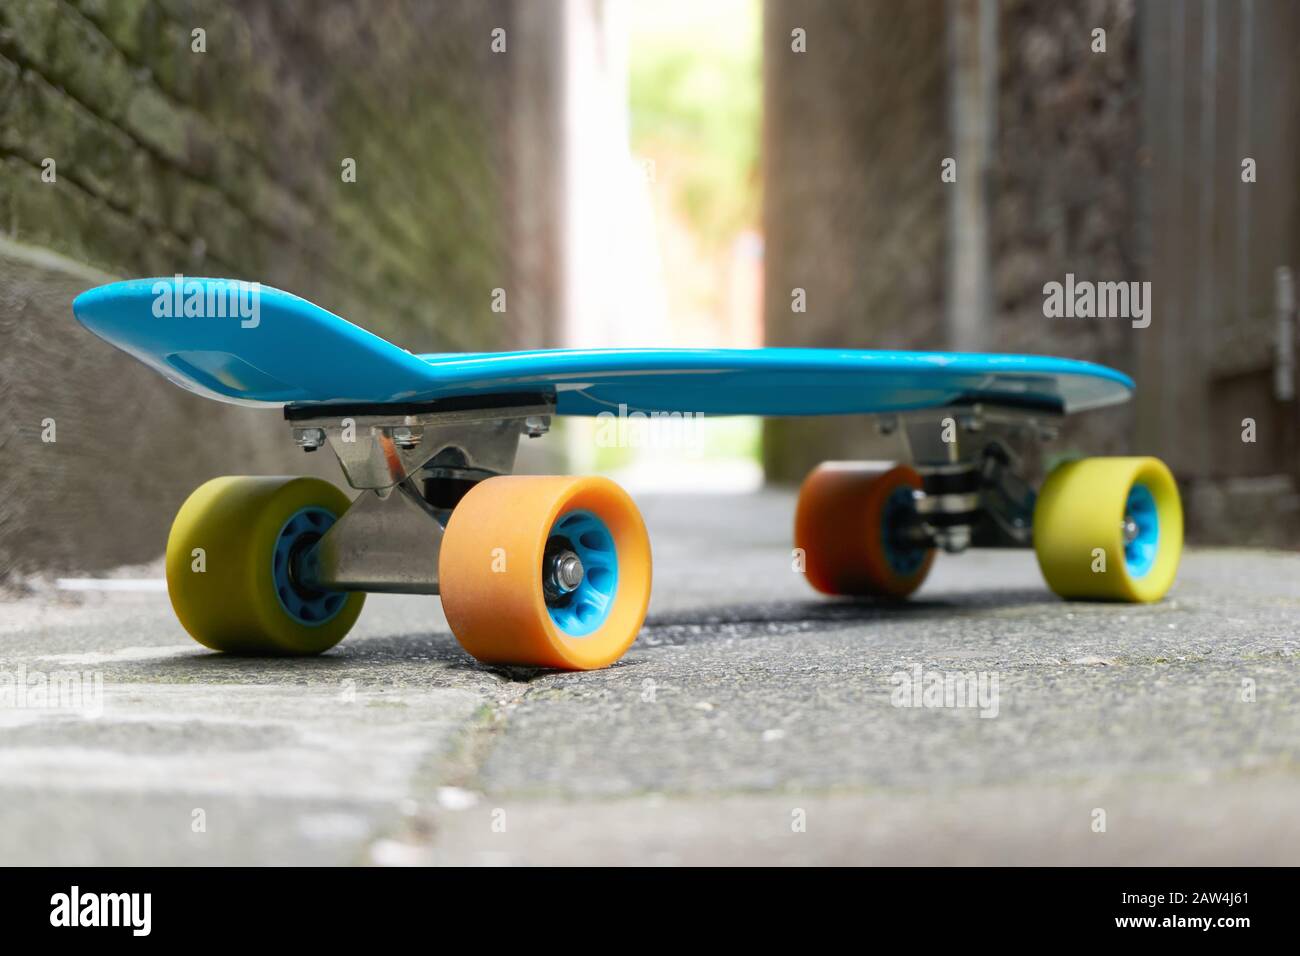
(855, 215)
(1122, 164)
(1065, 188)
(228, 162)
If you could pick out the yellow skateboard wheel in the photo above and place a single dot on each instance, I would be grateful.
(545, 571)
(846, 522)
(1109, 529)
(229, 566)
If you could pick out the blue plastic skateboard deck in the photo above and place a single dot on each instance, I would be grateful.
(255, 345)
(555, 570)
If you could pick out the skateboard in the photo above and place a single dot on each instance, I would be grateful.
(555, 571)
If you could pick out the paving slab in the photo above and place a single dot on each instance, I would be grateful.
(752, 722)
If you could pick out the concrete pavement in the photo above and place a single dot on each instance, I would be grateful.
(752, 722)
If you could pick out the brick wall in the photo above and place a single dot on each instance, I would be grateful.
(228, 163)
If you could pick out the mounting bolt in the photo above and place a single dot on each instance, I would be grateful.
(309, 439)
(887, 425)
(1129, 528)
(954, 539)
(563, 573)
(537, 425)
(406, 438)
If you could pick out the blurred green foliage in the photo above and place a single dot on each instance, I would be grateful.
(696, 102)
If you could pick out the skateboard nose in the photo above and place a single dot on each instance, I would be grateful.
(111, 308)
(89, 307)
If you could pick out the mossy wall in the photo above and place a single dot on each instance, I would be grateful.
(229, 161)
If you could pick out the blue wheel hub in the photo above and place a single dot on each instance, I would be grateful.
(900, 510)
(305, 605)
(1141, 531)
(579, 573)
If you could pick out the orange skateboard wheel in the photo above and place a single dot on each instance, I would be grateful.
(545, 571)
(846, 522)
